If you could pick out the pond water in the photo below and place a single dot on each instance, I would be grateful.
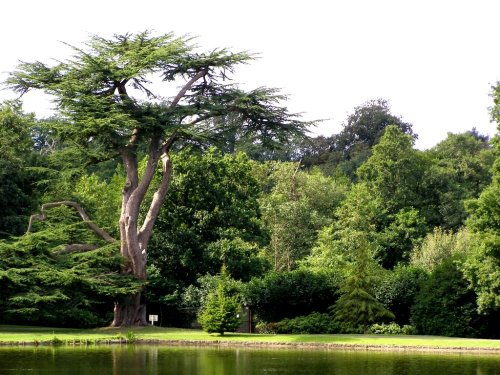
(152, 360)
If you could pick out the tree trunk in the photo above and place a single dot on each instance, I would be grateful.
(131, 311)
(134, 238)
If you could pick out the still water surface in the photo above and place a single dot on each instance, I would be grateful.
(153, 360)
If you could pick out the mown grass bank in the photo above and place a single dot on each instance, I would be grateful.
(23, 335)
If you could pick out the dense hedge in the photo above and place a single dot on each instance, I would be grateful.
(282, 295)
(446, 306)
(314, 323)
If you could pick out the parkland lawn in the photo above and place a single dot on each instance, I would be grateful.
(24, 335)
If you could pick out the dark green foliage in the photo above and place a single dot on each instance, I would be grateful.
(393, 176)
(362, 130)
(209, 219)
(398, 289)
(358, 308)
(404, 231)
(461, 170)
(314, 323)
(221, 309)
(485, 211)
(280, 295)
(446, 306)
(18, 193)
(241, 258)
(42, 288)
(343, 153)
(41, 283)
(316, 152)
(482, 268)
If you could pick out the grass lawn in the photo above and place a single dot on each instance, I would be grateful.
(33, 335)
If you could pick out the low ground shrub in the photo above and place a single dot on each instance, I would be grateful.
(391, 329)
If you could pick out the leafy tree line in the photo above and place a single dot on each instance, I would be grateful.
(332, 234)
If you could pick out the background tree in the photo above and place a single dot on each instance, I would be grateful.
(99, 92)
(334, 249)
(18, 190)
(460, 170)
(342, 154)
(362, 130)
(482, 268)
(441, 245)
(298, 205)
(210, 218)
(394, 175)
(394, 170)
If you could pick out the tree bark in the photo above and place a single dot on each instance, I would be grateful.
(130, 312)
(135, 238)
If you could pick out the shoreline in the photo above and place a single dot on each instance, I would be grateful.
(262, 345)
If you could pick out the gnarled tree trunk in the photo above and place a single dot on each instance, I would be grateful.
(134, 237)
(131, 311)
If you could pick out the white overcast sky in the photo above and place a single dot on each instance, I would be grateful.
(434, 60)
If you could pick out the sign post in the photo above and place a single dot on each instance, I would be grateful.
(153, 319)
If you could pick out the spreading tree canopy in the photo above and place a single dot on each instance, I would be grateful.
(106, 95)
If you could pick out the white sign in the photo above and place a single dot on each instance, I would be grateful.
(153, 318)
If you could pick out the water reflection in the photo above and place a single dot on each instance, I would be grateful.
(123, 360)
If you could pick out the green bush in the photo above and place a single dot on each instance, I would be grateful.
(288, 294)
(446, 306)
(266, 328)
(391, 329)
(398, 290)
(314, 323)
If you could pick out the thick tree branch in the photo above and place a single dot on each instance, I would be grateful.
(158, 198)
(130, 164)
(139, 193)
(76, 248)
(97, 230)
(187, 86)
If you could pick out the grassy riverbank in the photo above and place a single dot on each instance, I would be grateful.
(23, 335)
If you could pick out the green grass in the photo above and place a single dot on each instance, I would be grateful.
(25, 334)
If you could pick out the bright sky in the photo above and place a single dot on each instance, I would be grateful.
(434, 60)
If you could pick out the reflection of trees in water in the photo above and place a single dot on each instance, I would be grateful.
(165, 360)
(133, 359)
(136, 359)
